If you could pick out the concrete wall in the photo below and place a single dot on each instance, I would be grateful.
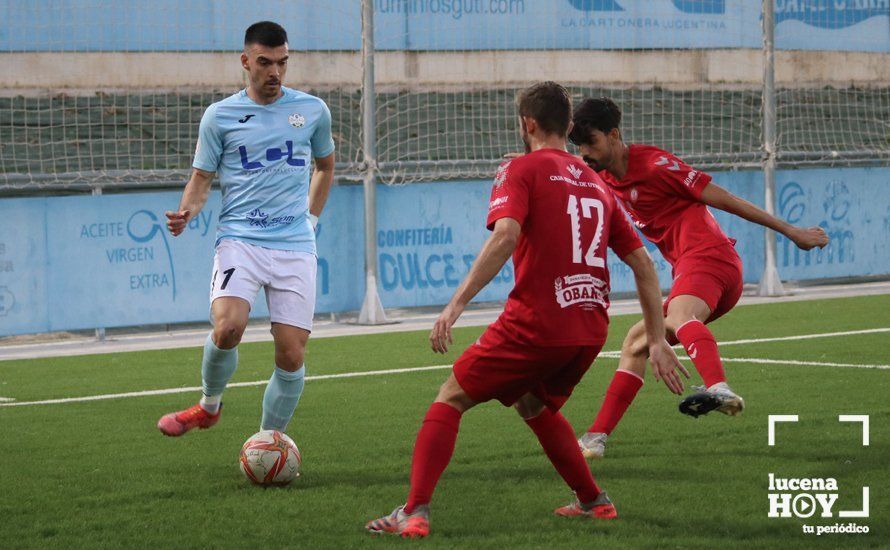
(35, 71)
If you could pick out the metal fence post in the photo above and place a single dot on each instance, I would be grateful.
(372, 309)
(770, 283)
(100, 331)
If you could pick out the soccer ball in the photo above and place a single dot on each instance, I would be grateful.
(270, 457)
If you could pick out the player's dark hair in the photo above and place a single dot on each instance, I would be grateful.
(549, 104)
(594, 114)
(265, 33)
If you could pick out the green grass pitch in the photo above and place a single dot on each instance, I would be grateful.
(99, 474)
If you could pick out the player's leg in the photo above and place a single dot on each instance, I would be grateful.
(220, 358)
(557, 438)
(217, 366)
(432, 453)
(234, 285)
(564, 367)
(290, 296)
(435, 441)
(622, 390)
(685, 320)
(285, 387)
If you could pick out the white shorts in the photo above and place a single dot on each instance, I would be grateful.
(288, 277)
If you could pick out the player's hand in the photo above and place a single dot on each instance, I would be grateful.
(809, 238)
(665, 366)
(177, 221)
(440, 336)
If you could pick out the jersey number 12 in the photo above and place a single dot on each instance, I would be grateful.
(588, 205)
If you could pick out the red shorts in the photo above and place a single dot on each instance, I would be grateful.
(499, 367)
(714, 275)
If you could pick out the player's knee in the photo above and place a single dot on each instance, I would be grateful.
(290, 359)
(227, 334)
(675, 320)
(452, 394)
(638, 347)
(529, 408)
(635, 343)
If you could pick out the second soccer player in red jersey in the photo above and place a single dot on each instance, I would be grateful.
(556, 217)
(668, 201)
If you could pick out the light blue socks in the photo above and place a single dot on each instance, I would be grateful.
(282, 393)
(217, 368)
(281, 398)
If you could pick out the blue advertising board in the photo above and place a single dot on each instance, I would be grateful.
(81, 262)
(852, 206)
(70, 263)
(217, 25)
(427, 240)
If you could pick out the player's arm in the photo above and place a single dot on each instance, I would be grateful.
(194, 197)
(805, 238)
(322, 142)
(495, 253)
(320, 186)
(662, 357)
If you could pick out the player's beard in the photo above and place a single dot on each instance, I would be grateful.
(272, 88)
(592, 163)
(523, 133)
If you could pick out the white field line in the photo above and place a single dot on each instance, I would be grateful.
(6, 399)
(616, 355)
(198, 388)
(603, 355)
(804, 337)
(803, 363)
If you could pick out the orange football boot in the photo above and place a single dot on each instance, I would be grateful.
(177, 423)
(410, 526)
(601, 508)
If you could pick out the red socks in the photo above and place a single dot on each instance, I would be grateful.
(558, 440)
(621, 393)
(432, 452)
(438, 434)
(702, 350)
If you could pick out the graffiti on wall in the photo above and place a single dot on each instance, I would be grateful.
(834, 217)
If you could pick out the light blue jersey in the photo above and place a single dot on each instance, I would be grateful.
(263, 156)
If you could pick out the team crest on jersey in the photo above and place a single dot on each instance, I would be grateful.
(501, 176)
(574, 171)
(634, 194)
(296, 120)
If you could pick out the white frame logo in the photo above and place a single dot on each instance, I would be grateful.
(805, 498)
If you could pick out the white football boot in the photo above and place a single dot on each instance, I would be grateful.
(593, 445)
(718, 397)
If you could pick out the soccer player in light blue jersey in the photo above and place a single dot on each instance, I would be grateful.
(261, 142)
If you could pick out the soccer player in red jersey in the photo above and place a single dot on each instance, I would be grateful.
(668, 201)
(555, 217)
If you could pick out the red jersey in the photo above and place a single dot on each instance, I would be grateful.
(568, 217)
(662, 194)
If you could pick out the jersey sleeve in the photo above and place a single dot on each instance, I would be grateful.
(509, 196)
(209, 149)
(623, 239)
(678, 176)
(322, 141)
